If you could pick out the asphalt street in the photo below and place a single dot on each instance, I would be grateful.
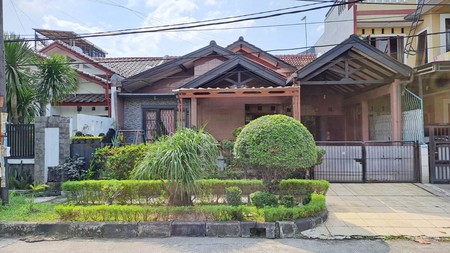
(205, 244)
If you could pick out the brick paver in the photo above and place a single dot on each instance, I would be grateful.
(385, 209)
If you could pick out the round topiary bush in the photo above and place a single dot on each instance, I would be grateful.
(275, 145)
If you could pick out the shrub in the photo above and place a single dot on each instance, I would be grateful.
(163, 213)
(117, 162)
(233, 196)
(262, 199)
(180, 159)
(288, 201)
(301, 187)
(275, 145)
(72, 169)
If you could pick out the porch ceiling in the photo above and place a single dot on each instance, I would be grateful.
(353, 67)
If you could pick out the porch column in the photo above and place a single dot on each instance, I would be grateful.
(296, 110)
(364, 120)
(396, 111)
(193, 112)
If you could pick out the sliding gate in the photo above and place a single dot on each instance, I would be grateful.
(362, 162)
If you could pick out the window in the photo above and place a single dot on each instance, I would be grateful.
(158, 122)
(422, 52)
(447, 35)
(391, 45)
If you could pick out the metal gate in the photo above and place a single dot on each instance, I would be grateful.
(362, 162)
(439, 153)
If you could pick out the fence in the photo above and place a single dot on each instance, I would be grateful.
(21, 140)
(369, 162)
(439, 150)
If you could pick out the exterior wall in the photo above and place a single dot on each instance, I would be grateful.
(336, 32)
(320, 102)
(41, 123)
(167, 85)
(221, 116)
(133, 110)
(85, 87)
(437, 109)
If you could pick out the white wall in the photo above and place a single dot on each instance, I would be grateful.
(94, 125)
(336, 32)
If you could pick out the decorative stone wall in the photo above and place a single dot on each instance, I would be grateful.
(41, 123)
(133, 109)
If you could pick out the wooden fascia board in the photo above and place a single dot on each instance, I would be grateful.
(93, 80)
(233, 93)
(342, 82)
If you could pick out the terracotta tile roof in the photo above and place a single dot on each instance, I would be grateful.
(130, 66)
(298, 60)
(85, 98)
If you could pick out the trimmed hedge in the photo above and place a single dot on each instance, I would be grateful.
(303, 187)
(154, 191)
(206, 213)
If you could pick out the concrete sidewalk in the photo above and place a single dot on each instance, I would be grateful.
(357, 210)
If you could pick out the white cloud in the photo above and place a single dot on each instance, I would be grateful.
(51, 22)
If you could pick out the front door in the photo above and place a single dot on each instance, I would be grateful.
(158, 122)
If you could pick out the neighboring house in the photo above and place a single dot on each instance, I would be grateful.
(423, 45)
(223, 88)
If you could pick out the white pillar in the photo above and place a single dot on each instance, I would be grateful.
(424, 166)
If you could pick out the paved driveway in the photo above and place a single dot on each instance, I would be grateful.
(385, 209)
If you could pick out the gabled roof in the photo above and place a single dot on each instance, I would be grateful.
(84, 57)
(169, 68)
(84, 98)
(241, 43)
(352, 66)
(236, 61)
(130, 66)
(298, 60)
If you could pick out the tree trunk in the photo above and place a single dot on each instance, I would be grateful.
(180, 199)
(14, 112)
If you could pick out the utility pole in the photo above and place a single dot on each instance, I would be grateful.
(3, 113)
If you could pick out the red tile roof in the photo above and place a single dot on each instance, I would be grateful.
(298, 60)
(130, 66)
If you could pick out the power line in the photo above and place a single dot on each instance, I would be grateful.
(188, 25)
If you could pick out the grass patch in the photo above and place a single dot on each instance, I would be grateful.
(21, 208)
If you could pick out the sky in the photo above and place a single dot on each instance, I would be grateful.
(90, 16)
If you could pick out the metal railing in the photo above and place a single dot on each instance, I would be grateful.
(20, 140)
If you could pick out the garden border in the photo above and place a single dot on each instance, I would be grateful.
(270, 230)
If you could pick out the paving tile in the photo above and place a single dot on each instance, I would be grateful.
(376, 223)
(355, 222)
(442, 223)
(400, 223)
(335, 223)
(384, 231)
(369, 215)
(433, 232)
(363, 231)
(409, 231)
(422, 224)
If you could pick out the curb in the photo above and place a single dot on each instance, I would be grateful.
(270, 230)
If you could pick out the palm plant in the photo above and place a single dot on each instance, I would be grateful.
(180, 159)
(56, 79)
(19, 57)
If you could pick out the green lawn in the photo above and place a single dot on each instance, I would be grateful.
(21, 208)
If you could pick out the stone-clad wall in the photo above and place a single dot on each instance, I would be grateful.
(64, 142)
(133, 109)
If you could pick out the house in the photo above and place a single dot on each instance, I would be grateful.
(94, 74)
(415, 33)
(202, 88)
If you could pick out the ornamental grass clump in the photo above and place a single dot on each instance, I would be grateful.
(275, 145)
(180, 159)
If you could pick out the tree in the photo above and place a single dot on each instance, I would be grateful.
(275, 145)
(19, 56)
(180, 159)
(56, 79)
